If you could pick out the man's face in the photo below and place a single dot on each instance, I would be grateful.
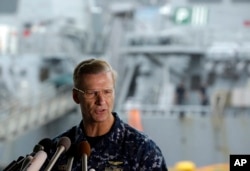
(98, 101)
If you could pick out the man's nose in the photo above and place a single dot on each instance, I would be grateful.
(100, 97)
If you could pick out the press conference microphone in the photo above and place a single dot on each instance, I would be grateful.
(37, 147)
(14, 164)
(62, 146)
(37, 161)
(26, 163)
(39, 154)
(84, 149)
(42, 145)
(46, 143)
(10, 165)
(72, 153)
(19, 164)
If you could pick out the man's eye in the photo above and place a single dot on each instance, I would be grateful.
(90, 92)
(108, 91)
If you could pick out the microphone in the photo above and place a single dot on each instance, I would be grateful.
(72, 153)
(84, 149)
(26, 163)
(37, 147)
(63, 145)
(39, 154)
(37, 161)
(10, 165)
(14, 164)
(46, 143)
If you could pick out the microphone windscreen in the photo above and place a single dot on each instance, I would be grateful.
(65, 142)
(46, 143)
(84, 148)
(37, 148)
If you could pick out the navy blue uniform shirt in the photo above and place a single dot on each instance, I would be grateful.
(122, 148)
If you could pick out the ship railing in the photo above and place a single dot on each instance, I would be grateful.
(16, 119)
(169, 111)
(185, 111)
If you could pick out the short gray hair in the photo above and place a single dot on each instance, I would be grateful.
(92, 66)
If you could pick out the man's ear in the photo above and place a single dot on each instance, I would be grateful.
(75, 96)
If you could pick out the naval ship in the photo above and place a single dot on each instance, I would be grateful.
(154, 46)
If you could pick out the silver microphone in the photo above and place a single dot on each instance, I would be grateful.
(62, 146)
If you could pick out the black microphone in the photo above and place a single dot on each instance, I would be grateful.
(62, 146)
(13, 165)
(84, 149)
(46, 143)
(42, 144)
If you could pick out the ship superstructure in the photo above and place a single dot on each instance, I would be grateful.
(154, 46)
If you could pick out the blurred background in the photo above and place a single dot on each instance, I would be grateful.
(183, 72)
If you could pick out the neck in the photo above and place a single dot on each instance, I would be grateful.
(98, 128)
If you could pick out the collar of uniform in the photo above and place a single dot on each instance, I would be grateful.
(112, 134)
